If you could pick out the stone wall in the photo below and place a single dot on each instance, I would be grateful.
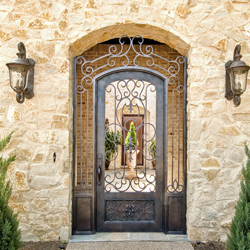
(54, 31)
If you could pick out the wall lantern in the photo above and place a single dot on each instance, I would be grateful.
(21, 72)
(236, 77)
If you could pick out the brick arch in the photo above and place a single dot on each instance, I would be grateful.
(171, 38)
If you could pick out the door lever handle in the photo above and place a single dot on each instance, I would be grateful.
(99, 169)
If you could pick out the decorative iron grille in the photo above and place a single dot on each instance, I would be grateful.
(122, 55)
(130, 97)
(129, 210)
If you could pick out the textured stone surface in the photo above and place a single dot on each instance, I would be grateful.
(128, 245)
(57, 30)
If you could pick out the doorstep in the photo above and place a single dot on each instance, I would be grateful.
(128, 237)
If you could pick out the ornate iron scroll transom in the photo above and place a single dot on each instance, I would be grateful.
(119, 56)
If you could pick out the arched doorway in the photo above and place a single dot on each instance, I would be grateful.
(154, 201)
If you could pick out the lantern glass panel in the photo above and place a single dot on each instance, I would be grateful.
(18, 78)
(238, 79)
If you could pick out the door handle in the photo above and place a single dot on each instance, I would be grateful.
(99, 169)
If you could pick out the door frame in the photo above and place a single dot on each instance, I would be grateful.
(172, 201)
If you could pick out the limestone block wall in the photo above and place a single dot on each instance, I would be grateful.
(54, 32)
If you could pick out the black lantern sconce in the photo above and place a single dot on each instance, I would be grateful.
(21, 72)
(236, 77)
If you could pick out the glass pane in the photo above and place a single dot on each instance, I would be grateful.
(18, 78)
(240, 80)
(130, 128)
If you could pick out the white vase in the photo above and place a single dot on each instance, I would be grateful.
(131, 163)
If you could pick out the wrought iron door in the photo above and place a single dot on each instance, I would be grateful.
(130, 199)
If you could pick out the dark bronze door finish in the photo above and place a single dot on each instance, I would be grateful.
(129, 198)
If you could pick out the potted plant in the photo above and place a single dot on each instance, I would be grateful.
(152, 151)
(112, 140)
(131, 144)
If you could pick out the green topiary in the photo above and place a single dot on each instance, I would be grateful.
(131, 138)
(10, 236)
(239, 237)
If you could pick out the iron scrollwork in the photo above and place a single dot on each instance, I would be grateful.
(171, 70)
(135, 53)
(130, 96)
(175, 187)
(129, 210)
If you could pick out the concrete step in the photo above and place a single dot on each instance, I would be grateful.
(128, 241)
(129, 245)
